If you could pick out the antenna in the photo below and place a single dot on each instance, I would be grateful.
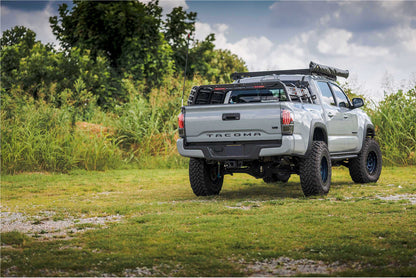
(186, 66)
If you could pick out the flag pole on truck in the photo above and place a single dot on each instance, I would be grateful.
(186, 66)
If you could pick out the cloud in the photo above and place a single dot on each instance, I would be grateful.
(168, 5)
(26, 5)
(37, 20)
(251, 49)
(331, 46)
(338, 42)
(355, 16)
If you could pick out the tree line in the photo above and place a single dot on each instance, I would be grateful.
(109, 95)
(103, 43)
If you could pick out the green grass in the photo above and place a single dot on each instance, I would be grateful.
(168, 230)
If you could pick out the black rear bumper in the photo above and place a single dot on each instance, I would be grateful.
(232, 150)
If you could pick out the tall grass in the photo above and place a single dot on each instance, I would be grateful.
(148, 126)
(395, 122)
(39, 137)
(36, 136)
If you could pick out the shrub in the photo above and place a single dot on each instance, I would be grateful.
(395, 121)
(39, 137)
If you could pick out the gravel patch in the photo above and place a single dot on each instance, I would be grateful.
(242, 207)
(408, 197)
(284, 266)
(138, 272)
(43, 226)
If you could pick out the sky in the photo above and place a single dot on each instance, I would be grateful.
(374, 40)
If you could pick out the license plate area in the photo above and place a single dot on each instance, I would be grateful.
(234, 150)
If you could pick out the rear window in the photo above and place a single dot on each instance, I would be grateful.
(257, 95)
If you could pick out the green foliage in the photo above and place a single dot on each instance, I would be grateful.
(395, 122)
(127, 33)
(16, 44)
(104, 27)
(39, 137)
(38, 69)
(147, 59)
(17, 35)
(178, 26)
(112, 93)
(43, 73)
(96, 75)
(104, 42)
(215, 65)
(15, 238)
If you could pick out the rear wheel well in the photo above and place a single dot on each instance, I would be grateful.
(320, 135)
(370, 132)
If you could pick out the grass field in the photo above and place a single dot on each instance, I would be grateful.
(149, 223)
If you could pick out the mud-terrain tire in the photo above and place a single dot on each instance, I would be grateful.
(367, 166)
(204, 177)
(316, 170)
(279, 177)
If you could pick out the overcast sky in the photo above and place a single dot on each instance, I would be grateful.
(374, 40)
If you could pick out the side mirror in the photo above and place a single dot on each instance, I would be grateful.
(357, 102)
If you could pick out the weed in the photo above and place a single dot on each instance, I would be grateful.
(394, 120)
(15, 238)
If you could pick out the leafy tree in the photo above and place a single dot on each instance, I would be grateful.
(128, 33)
(15, 43)
(225, 63)
(178, 25)
(40, 71)
(16, 35)
(39, 68)
(215, 65)
(103, 26)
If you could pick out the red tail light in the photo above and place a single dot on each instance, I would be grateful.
(181, 122)
(287, 122)
(287, 118)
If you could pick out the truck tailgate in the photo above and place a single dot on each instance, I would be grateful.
(233, 122)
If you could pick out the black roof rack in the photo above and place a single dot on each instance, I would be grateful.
(314, 68)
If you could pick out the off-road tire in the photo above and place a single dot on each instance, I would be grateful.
(315, 170)
(204, 177)
(367, 166)
(280, 177)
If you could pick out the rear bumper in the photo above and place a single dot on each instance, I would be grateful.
(241, 151)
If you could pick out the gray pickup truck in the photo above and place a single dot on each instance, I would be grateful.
(277, 123)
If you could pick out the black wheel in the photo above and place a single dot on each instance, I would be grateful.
(206, 179)
(367, 166)
(315, 170)
(279, 177)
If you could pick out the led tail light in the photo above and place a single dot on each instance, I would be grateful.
(181, 124)
(287, 122)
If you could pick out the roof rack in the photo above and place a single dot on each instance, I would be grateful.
(314, 69)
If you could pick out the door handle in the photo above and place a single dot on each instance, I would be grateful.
(330, 114)
(230, 116)
(346, 116)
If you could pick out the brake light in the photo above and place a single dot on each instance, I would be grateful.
(287, 118)
(287, 122)
(181, 122)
